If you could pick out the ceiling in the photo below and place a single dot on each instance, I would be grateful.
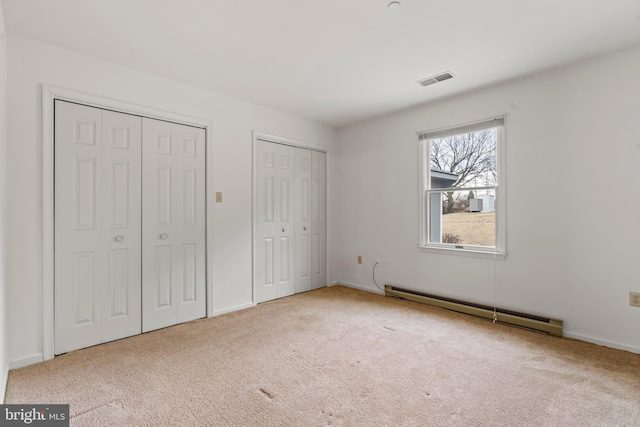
(333, 61)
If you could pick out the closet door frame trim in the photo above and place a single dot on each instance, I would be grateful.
(256, 135)
(49, 95)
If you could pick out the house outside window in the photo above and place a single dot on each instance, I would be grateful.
(462, 189)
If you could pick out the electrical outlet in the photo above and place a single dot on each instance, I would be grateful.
(359, 259)
(634, 299)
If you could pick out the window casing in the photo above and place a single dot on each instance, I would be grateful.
(462, 189)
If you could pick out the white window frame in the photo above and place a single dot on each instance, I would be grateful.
(424, 138)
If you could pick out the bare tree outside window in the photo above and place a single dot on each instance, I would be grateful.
(470, 156)
(464, 166)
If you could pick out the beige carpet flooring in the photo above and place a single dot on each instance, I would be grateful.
(337, 356)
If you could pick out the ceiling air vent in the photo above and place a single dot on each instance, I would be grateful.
(436, 79)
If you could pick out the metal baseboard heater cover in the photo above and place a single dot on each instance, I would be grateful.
(550, 326)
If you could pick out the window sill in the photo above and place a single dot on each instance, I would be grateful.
(501, 256)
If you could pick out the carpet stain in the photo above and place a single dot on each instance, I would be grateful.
(109, 406)
(266, 393)
(329, 415)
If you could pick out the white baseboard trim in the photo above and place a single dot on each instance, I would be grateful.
(26, 361)
(601, 342)
(231, 309)
(4, 378)
(361, 288)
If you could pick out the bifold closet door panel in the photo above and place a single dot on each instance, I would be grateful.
(302, 203)
(97, 284)
(173, 231)
(319, 219)
(122, 224)
(79, 277)
(274, 233)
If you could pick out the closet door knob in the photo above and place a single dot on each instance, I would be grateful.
(163, 236)
(119, 239)
(283, 230)
(304, 228)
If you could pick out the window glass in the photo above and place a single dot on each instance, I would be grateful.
(461, 188)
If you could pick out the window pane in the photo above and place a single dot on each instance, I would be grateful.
(466, 218)
(464, 160)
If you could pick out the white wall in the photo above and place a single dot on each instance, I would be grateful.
(573, 197)
(3, 212)
(32, 64)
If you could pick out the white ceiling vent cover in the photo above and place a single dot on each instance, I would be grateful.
(436, 79)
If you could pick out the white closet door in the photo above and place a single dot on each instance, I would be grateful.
(274, 234)
(173, 235)
(97, 226)
(302, 202)
(121, 222)
(319, 219)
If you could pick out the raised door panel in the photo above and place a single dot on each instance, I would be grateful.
(189, 199)
(79, 253)
(84, 192)
(163, 185)
(119, 282)
(119, 194)
(163, 293)
(190, 291)
(84, 289)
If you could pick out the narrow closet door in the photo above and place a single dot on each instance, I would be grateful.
(302, 202)
(173, 232)
(274, 233)
(97, 226)
(121, 225)
(319, 219)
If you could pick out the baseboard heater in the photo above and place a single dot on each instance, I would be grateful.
(550, 326)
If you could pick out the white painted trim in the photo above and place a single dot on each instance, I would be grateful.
(256, 135)
(373, 290)
(234, 308)
(254, 222)
(26, 361)
(289, 141)
(605, 343)
(4, 379)
(500, 251)
(464, 252)
(49, 95)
